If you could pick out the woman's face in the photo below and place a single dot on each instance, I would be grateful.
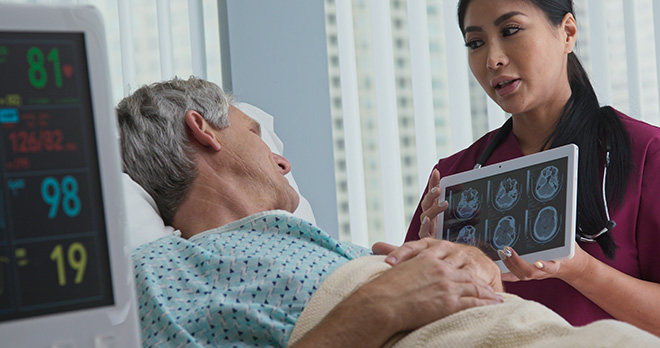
(518, 56)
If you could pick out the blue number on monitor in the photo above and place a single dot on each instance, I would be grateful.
(52, 192)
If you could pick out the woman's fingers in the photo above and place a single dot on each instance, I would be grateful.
(430, 219)
(430, 207)
(523, 270)
(434, 181)
(425, 229)
(432, 194)
(430, 198)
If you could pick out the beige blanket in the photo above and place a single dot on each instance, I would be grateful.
(514, 323)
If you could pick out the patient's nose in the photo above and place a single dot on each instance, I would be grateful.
(283, 163)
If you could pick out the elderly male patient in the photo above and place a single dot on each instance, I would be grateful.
(245, 267)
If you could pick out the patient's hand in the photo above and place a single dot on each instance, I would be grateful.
(411, 294)
(427, 287)
(458, 255)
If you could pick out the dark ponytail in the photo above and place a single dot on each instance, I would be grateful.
(595, 130)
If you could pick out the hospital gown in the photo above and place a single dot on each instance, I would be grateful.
(242, 284)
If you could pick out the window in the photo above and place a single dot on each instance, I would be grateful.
(444, 77)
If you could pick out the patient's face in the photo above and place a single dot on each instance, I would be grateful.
(259, 171)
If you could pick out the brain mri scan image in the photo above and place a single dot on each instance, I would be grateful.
(505, 233)
(547, 184)
(508, 194)
(546, 224)
(467, 235)
(469, 204)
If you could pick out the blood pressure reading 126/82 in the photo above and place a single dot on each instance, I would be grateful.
(53, 246)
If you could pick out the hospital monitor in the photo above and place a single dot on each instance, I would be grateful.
(65, 277)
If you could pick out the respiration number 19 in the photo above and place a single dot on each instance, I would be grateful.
(65, 192)
(76, 256)
(37, 73)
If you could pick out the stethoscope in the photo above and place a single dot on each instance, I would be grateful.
(504, 131)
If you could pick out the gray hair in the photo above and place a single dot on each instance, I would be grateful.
(156, 151)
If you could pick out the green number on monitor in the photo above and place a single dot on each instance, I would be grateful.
(54, 56)
(37, 72)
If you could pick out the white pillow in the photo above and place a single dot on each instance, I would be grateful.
(143, 223)
(304, 210)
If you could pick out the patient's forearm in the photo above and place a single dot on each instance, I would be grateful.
(356, 322)
(410, 295)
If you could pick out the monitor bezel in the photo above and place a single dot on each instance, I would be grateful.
(117, 323)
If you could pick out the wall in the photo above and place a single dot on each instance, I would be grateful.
(277, 51)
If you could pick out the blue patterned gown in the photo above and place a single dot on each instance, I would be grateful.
(243, 284)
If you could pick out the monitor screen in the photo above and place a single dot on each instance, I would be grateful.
(53, 246)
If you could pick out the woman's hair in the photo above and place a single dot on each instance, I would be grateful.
(594, 129)
(155, 149)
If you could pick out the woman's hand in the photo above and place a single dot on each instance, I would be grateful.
(523, 270)
(460, 256)
(431, 207)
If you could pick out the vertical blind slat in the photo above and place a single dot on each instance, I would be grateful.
(225, 56)
(165, 39)
(197, 41)
(127, 48)
(388, 128)
(352, 130)
(632, 59)
(599, 47)
(422, 89)
(457, 74)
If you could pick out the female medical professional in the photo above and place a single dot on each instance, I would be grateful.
(521, 52)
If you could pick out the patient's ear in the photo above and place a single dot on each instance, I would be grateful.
(201, 130)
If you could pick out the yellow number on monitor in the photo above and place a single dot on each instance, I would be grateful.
(77, 257)
(58, 257)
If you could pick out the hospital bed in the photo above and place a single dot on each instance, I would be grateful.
(515, 323)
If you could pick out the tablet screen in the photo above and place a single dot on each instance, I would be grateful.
(525, 206)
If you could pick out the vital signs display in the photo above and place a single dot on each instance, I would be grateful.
(53, 245)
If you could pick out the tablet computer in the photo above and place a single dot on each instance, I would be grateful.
(528, 203)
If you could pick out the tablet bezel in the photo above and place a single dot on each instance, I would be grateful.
(570, 152)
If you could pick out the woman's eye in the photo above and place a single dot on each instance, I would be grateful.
(508, 31)
(472, 44)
